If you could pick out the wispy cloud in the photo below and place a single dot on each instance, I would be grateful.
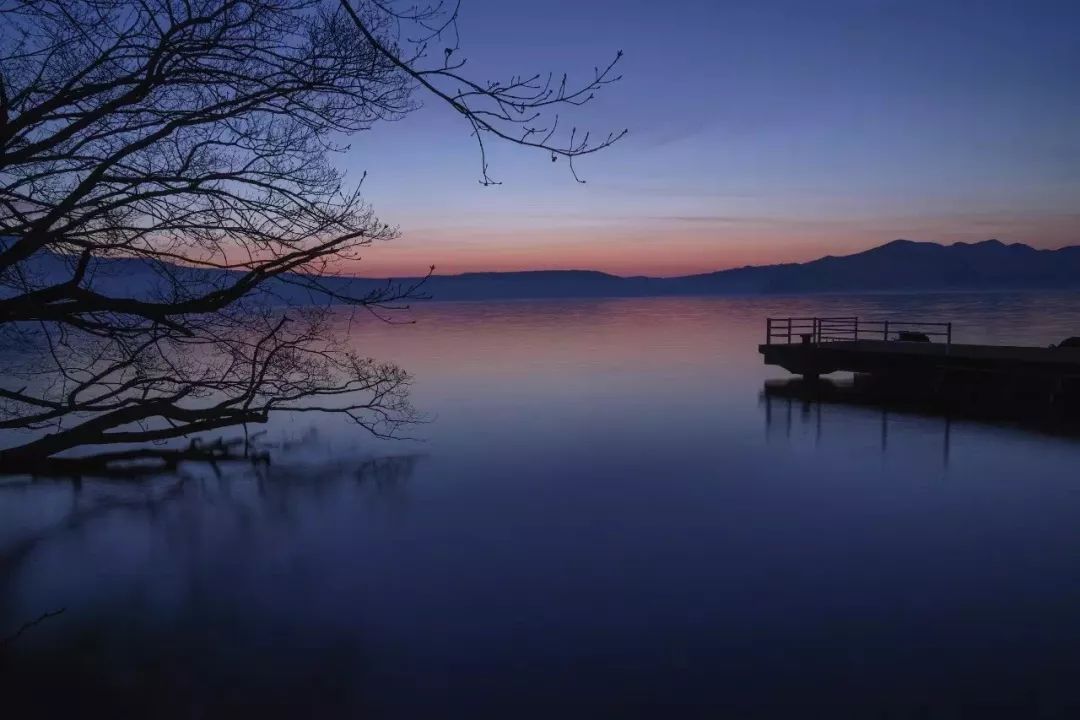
(710, 219)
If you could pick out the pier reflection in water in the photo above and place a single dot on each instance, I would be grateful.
(783, 400)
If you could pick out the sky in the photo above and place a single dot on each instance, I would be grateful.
(760, 131)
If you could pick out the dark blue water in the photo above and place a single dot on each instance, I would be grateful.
(604, 517)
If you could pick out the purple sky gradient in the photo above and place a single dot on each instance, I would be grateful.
(762, 131)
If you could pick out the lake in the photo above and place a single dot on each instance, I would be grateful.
(603, 516)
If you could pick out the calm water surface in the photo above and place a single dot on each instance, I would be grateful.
(604, 517)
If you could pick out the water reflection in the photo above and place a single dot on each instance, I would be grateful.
(198, 576)
(598, 526)
(779, 397)
(1013, 410)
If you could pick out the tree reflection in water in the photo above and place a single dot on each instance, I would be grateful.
(195, 594)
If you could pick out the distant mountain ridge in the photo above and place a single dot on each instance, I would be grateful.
(916, 266)
(901, 265)
(898, 266)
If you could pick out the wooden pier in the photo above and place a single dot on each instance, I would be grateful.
(919, 354)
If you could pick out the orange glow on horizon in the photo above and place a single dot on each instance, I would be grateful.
(679, 251)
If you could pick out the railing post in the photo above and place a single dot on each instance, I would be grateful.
(829, 329)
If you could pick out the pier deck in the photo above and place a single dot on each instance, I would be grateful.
(819, 346)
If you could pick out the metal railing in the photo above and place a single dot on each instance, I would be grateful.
(817, 330)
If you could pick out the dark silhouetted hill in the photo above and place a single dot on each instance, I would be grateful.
(903, 265)
(898, 266)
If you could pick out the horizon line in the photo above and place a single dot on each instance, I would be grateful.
(632, 276)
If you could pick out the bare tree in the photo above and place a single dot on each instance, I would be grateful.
(193, 139)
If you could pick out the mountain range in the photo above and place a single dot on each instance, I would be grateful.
(898, 266)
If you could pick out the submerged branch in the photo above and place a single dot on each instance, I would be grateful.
(6, 641)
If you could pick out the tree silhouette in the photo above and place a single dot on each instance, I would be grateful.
(193, 139)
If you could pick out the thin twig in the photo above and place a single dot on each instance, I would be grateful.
(4, 642)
